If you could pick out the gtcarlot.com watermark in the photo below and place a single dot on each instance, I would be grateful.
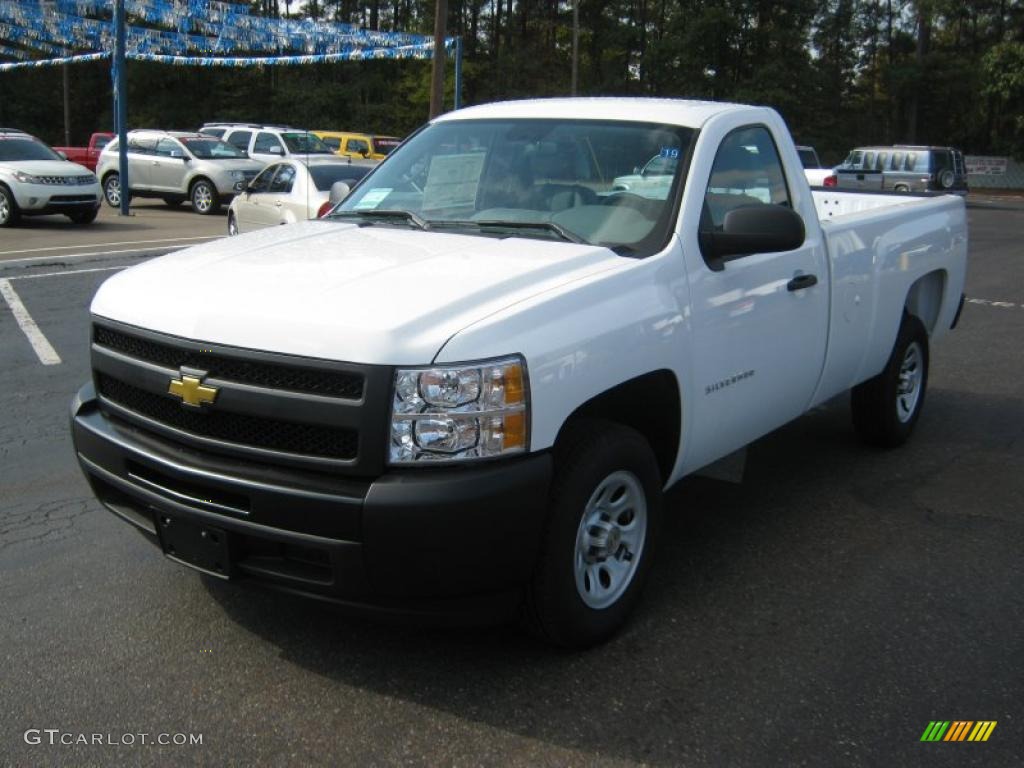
(57, 737)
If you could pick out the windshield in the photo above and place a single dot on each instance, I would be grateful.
(26, 149)
(554, 179)
(324, 176)
(383, 145)
(213, 149)
(305, 144)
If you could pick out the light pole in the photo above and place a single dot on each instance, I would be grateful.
(121, 95)
(437, 71)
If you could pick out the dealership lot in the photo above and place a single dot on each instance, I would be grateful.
(821, 612)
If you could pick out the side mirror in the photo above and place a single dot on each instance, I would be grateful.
(339, 191)
(753, 229)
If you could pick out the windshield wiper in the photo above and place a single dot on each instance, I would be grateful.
(369, 215)
(549, 226)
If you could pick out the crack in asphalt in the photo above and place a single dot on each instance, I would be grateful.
(41, 523)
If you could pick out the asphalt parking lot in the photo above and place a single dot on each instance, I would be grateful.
(819, 613)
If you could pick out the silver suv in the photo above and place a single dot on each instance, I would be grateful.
(268, 143)
(177, 166)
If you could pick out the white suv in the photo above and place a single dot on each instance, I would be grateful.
(35, 181)
(268, 143)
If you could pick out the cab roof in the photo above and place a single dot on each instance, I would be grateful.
(689, 113)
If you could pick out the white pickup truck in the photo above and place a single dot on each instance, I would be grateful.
(464, 390)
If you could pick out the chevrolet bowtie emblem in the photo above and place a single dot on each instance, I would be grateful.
(192, 391)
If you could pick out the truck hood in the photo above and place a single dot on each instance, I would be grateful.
(45, 167)
(378, 295)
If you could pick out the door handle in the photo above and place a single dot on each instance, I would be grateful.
(800, 282)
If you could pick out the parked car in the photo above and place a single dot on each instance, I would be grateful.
(291, 190)
(89, 155)
(359, 145)
(36, 181)
(269, 142)
(464, 390)
(814, 172)
(653, 178)
(177, 166)
(904, 168)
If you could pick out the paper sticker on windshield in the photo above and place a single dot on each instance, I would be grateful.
(372, 198)
(672, 152)
(453, 180)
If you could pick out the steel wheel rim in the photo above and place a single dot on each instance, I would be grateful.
(610, 539)
(232, 225)
(113, 190)
(202, 197)
(908, 386)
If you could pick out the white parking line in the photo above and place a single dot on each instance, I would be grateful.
(104, 245)
(67, 272)
(991, 303)
(44, 350)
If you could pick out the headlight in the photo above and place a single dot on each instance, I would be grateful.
(237, 175)
(27, 178)
(453, 413)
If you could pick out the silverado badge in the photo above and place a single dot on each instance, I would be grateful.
(192, 391)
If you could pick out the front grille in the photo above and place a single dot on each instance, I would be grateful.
(72, 180)
(73, 199)
(239, 429)
(348, 386)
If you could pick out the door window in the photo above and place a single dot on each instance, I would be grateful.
(262, 182)
(142, 146)
(333, 142)
(282, 183)
(265, 143)
(358, 146)
(747, 171)
(168, 148)
(240, 139)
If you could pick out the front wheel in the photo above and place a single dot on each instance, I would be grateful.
(8, 208)
(204, 198)
(604, 519)
(232, 225)
(886, 408)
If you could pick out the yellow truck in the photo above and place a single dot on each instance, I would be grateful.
(358, 145)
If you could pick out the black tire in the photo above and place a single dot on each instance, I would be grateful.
(84, 217)
(590, 456)
(204, 198)
(9, 213)
(882, 416)
(232, 225)
(946, 179)
(901, 188)
(112, 190)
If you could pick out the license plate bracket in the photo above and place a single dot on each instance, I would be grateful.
(203, 547)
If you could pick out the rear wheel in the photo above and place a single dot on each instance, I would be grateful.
(8, 208)
(886, 408)
(84, 217)
(204, 197)
(112, 190)
(901, 188)
(604, 519)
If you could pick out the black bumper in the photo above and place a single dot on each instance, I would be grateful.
(446, 542)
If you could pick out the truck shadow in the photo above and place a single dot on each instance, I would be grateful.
(740, 630)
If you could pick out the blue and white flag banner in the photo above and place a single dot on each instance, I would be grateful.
(361, 54)
(53, 62)
(190, 27)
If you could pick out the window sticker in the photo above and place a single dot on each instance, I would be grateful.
(453, 180)
(373, 198)
(672, 152)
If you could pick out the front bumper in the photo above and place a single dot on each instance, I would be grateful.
(458, 543)
(39, 199)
